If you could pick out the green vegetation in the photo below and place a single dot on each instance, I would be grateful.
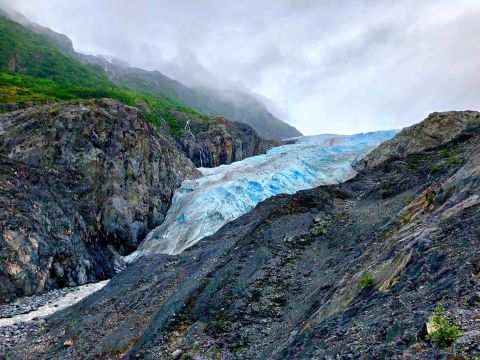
(406, 218)
(450, 161)
(446, 153)
(33, 69)
(455, 161)
(220, 326)
(235, 347)
(410, 199)
(366, 281)
(445, 331)
(22, 89)
(321, 229)
(438, 167)
(292, 261)
(430, 198)
(24, 51)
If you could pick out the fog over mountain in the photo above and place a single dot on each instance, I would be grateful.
(323, 66)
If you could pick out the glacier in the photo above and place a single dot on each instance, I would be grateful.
(202, 206)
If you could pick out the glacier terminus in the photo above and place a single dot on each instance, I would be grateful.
(202, 206)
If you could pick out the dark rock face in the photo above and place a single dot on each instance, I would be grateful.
(219, 141)
(284, 281)
(48, 231)
(81, 182)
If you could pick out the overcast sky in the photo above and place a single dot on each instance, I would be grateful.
(322, 65)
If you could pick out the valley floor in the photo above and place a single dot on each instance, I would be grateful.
(24, 317)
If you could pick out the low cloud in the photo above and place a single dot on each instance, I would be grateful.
(323, 66)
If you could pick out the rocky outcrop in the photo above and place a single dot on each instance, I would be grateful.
(286, 280)
(80, 182)
(48, 231)
(437, 129)
(211, 142)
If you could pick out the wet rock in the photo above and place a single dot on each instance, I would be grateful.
(216, 141)
(177, 354)
(83, 183)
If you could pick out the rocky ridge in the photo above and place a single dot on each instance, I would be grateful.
(285, 281)
(218, 141)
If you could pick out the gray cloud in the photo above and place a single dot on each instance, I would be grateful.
(324, 66)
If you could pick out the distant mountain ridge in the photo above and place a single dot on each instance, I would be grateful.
(206, 101)
(37, 66)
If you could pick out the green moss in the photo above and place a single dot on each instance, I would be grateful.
(438, 167)
(446, 153)
(220, 326)
(366, 281)
(455, 161)
(450, 161)
(406, 218)
(292, 261)
(234, 347)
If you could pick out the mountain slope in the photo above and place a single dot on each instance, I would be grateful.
(38, 65)
(244, 109)
(240, 107)
(285, 281)
(61, 41)
(23, 51)
(235, 106)
(33, 69)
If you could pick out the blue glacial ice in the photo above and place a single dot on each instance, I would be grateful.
(202, 206)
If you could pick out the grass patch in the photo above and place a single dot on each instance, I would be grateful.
(406, 218)
(443, 165)
(455, 161)
(446, 153)
(23, 89)
(235, 347)
(292, 261)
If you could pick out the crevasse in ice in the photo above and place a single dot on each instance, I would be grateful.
(202, 206)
